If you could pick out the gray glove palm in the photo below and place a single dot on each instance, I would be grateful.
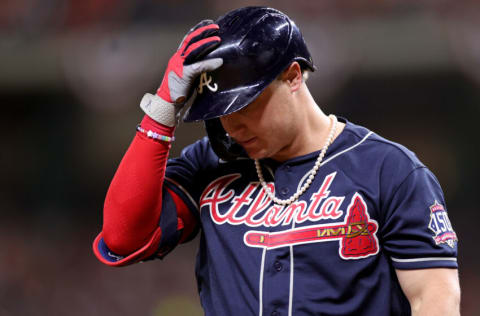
(183, 68)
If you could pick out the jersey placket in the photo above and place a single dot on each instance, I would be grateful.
(278, 268)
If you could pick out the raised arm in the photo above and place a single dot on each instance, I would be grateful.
(135, 202)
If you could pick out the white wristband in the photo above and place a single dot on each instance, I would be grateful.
(158, 109)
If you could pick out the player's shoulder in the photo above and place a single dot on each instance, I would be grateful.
(200, 150)
(200, 146)
(200, 159)
(380, 146)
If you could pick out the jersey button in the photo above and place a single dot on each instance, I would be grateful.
(275, 313)
(278, 266)
(285, 190)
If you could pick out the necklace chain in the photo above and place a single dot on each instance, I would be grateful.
(312, 172)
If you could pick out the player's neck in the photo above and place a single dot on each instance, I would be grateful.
(312, 129)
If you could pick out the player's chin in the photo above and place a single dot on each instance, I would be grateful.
(256, 153)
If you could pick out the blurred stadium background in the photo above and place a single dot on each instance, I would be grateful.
(72, 73)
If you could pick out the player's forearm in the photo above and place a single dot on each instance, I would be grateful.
(133, 203)
(134, 200)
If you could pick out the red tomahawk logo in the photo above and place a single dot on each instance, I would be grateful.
(365, 243)
(357, 234)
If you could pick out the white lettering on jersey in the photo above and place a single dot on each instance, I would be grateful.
(260, 212)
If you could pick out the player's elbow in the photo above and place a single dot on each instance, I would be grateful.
(117, 243)
(125, 240)
(128, 226)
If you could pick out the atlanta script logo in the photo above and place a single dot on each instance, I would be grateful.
(356, 234)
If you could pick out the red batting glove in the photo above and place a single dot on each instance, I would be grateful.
(184, 66)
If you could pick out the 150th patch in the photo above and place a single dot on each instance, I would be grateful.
(441, 226)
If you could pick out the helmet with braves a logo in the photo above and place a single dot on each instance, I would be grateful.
(258, 43)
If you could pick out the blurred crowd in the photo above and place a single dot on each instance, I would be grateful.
(42, 16)
(72, 73)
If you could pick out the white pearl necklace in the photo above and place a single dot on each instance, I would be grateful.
(313, 172)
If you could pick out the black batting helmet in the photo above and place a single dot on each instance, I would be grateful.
(258, 43)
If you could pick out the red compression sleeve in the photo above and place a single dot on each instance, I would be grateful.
(134, 199)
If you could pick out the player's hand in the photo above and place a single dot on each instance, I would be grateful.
(183, 68)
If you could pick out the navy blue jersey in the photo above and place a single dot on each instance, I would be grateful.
(373, 207)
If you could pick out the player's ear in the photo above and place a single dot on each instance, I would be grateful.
(293, 76)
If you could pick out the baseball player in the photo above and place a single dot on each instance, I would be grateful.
(299, 213)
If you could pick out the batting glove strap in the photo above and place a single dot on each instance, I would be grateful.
(160, 110)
